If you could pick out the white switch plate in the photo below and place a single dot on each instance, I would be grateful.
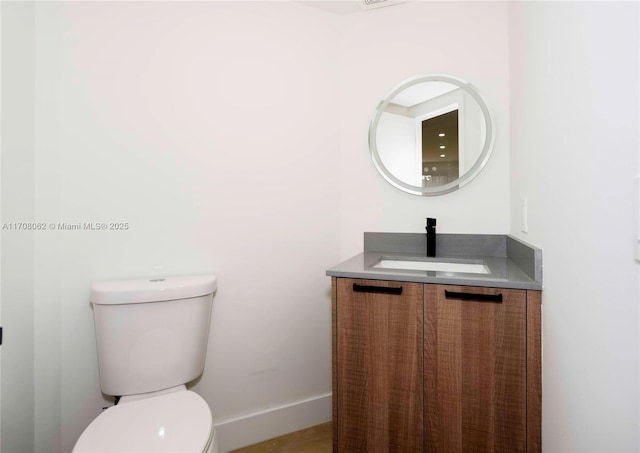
(524, 224)
(636, 218)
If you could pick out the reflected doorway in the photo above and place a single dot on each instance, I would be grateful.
(440, 149)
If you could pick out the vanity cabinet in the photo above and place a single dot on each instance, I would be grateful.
(379, 366)
(435, 368)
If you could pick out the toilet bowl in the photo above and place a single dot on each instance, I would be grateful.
(179, 421)
(151, 337)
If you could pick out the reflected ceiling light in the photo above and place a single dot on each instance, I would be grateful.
(441, 134)
(443, 155)
(442, 147)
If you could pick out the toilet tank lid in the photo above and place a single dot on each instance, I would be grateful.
(120, 292)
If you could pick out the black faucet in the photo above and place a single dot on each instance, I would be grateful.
(431, 236)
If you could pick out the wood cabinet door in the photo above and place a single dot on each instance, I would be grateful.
(475, 369)
(378, 381)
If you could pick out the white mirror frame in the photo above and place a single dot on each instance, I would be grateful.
(485, 153)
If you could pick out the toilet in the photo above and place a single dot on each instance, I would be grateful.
(152, 340)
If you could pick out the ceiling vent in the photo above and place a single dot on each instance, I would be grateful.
(372, 4)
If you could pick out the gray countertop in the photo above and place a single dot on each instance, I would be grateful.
(511, 262)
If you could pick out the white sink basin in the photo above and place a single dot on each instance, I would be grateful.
(438, 266)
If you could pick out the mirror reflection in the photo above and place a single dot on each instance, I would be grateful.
(431, 135)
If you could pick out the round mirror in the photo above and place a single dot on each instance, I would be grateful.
(431, 135)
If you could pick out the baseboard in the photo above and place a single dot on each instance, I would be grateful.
(253, 428)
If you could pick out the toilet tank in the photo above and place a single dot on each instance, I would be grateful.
(151, 334)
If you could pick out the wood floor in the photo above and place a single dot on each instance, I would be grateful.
(317, 439)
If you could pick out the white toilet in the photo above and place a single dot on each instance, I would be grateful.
(152, 340)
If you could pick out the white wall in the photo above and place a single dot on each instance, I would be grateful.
(17, 146)
(211, 129)
(574, 137)
(396, 142)
(379, 49)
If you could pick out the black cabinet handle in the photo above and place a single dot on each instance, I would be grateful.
(396, 291)
(495, 298)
